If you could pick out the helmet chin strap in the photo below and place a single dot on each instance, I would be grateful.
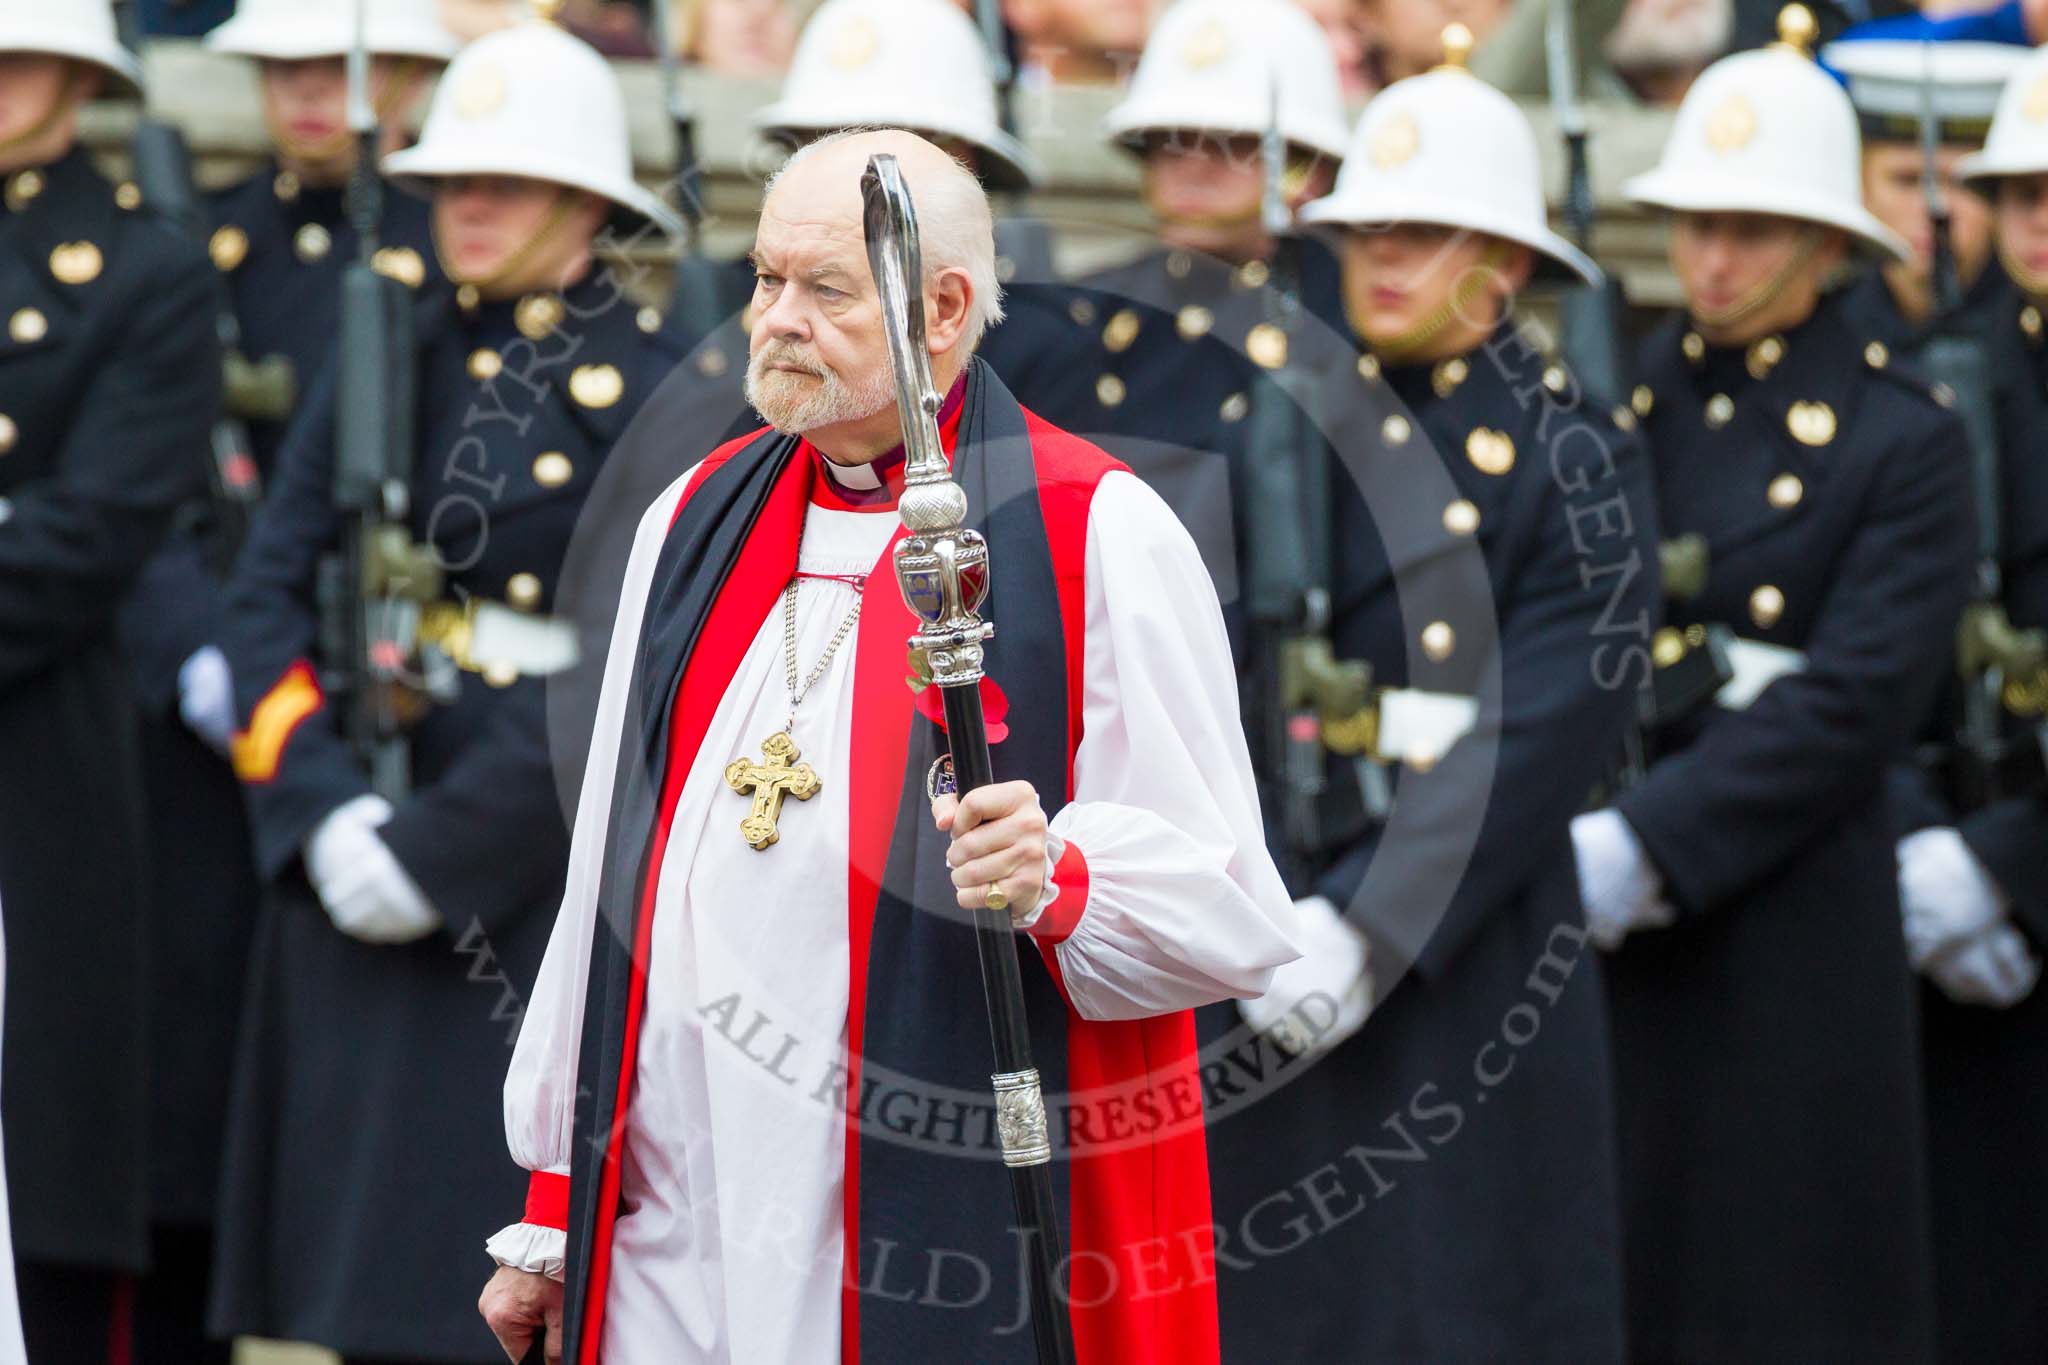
(488, 283)
(1753, 302)
(50, 117)
(2033, 283)
(1408, 345)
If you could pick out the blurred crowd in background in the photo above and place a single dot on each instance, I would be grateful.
(1652, 48)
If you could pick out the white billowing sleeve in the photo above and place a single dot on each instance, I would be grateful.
(1183, 904)
(540, 1086)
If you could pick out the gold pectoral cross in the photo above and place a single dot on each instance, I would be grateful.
(776, 776)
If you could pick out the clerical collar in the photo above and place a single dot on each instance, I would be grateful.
(873, 486)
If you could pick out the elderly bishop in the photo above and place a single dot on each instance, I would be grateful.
(752, 1083)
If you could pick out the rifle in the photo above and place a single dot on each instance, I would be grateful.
(1986, 764)
(943, 571)
(703, 297)
(1022, 240)
(1309, 692)
(163, 174)
(372, 591)
(1591, 315)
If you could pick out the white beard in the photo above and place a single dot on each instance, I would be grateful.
(794, 404)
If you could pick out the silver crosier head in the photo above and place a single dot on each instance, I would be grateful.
(941, 566)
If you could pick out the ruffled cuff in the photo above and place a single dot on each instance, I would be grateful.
(532, 1248)
(1066, 893)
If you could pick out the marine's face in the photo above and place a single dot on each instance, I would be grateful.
(817, 353)
(305, 103)
(1411, 32)
(31, 86)
(305, 107)
(1746, 275)
(516, 235)
(1426, 292)
(1343, 26)
(2023, 229)
(1096, 25)
(1195, 178)
(746, 37)
(1893, 190)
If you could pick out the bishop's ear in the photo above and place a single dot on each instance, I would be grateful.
(948, 299)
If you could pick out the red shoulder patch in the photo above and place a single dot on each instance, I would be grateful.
(1066, 458)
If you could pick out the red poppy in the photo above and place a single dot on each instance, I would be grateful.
(994, 707)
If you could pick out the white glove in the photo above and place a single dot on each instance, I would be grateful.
(206, 697)
(359, 880)
(1618, 884)
(1322, 997)
(1996, 969)
(1945, 894)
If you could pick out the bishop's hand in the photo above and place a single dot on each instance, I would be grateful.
(522, 1308)
(999, 842)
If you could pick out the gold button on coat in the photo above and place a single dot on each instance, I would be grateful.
(1121, 331)
(553, 469)
(1766, 605)
(1267, 346)
(312, 243)
(1811, 424)
(229, 247)
(597, 386)
(75, 263)
(1491, 452)
(537, 316)
(1763, 356)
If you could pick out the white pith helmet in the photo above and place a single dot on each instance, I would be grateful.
(1892, 82)
(1446, 149)
(914, 64)
(531, 101)
(82, 30)
(1210, 66)
(2018, 144)
(1768, 132)
(301, 30)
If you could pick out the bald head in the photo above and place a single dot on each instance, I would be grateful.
(956, 231)
(819, 361)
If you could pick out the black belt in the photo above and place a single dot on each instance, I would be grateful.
(1975, 776)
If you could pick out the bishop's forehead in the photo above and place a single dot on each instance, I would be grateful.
(797, 233)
